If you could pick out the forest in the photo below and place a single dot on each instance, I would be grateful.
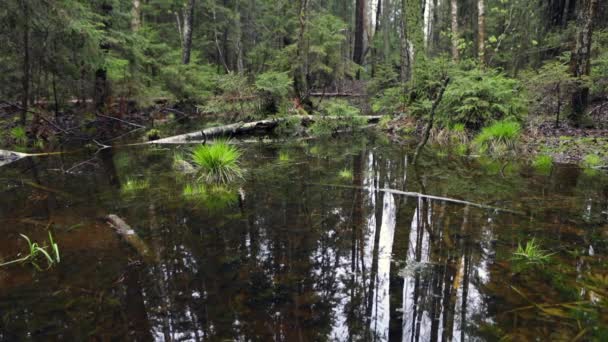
(304, 170)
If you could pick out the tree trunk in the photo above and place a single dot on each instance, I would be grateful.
(581, 56)
(404, 68)
(385, 29)
(429, 9)
(359, 31)
(25, 80)
(188, 21)
(455, 33)
(481, 31)
(300, 75)
(136, 15)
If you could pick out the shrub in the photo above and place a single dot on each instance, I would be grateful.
(133, 185)
(499, 137)
(19, 135)
(476, 97)
(189, 83)
(274, 88)
(338, 115)
(218, 162)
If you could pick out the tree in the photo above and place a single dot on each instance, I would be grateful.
(188, 22)
(454, 25)
(481, 31)
(581, 56)
(360, 15)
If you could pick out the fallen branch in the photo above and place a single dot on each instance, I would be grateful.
(121, 120)
(245, 128)
(419, 195)
(129, 235)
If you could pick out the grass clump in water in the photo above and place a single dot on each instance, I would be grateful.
(218, 162)
(543, 163)
(498, 138)
(284, 157)
(531, 254)
(35, 251)
(215, 197)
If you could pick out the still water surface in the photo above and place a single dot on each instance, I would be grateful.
(304, 248)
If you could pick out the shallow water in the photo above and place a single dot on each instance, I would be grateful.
(301, 251)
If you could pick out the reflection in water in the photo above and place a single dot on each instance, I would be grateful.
(381, 302)
(282, 260)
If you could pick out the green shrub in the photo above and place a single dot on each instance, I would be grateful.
(189, 83)
(274, 88)
(543, 163)
(500, 137)
(217, 162)
(19, 135)
(476, 97)
(337, 115)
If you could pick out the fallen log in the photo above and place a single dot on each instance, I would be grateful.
(7, 157)
(130, 237)
(241, 128)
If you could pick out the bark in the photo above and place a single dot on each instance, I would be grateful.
(386, 7)
(454, 26)
(429, 9)
(25, 80)
(136, 15)
(360, 16)
(263, 126)
(300, 75)
(581, 56)
(188, 22)
(481, 31)
(405, 55)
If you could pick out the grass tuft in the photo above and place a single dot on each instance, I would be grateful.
(543, 163)
(218, 162)
(498, 138)
(346, 174)
(592, 161)
(531, 254)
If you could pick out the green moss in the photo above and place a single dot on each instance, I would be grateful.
(543, 163)
(591, 161)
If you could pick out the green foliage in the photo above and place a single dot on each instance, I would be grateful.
(547, 86)
(215, 197)
(337, 115)
(153, 134)
(35, 252)
(276, 84)
(346, 174)
(543, 163)
(19, 136)
(190, 83)
(531, 254)
(217, 162)
(132, 186)
(390, 101)
(591, 161)
(274, 88)
(498, 138)
(476, 97)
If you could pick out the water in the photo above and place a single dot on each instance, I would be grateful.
(297, 252)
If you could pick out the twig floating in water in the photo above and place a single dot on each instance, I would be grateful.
(419, 195)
